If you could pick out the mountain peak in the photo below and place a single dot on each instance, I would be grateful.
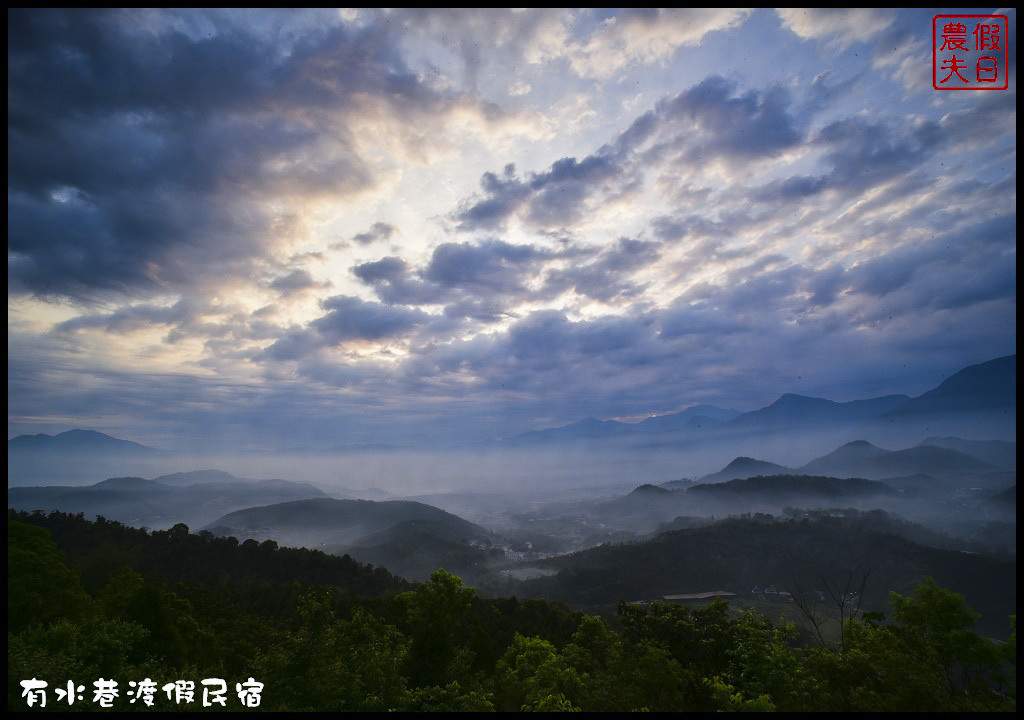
(987, 386)
(860, 445)
(743, 467)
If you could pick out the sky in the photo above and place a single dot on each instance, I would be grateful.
(266, 229)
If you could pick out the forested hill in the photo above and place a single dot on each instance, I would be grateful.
(99, 602)
(100, 549)
(737, 554)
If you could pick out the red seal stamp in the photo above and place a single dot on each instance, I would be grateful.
(970, 52)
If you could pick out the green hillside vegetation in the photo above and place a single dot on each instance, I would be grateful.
(738, 553)
(98, 599)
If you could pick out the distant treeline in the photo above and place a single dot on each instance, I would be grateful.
(91, 600)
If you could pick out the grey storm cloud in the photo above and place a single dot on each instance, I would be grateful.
(699, 319)
(607, 277)
(742, 127)
(547, 351)
(553, 198)
(138, 160)
(132, 318)
(475, 277)
(861, 155)
(294, 281)
(389, 269)
(347, 319)
(493, 265)
(379, 231)
(547, 333)
(970, 264)
(710, 120)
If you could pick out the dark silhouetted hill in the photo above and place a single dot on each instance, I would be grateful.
(990, 385)
(744, 467)
(737, 554)
(77, 442)
(862, 459)
(793, 488)
(1000, 453)
(328, 521)
(795, 410)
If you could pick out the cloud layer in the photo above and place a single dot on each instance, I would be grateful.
(321, 227)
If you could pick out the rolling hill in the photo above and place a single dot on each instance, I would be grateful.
(331, 522)
(862, 459)
(744, 467)
(737, 554)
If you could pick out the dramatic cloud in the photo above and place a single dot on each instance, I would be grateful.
(347, 319)
(607, 277)
(138, 156)
(713, 119)
(552, 199)
(273, 227)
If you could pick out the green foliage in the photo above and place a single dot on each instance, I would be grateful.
(437, 621)
(321, 646)
(532, 675)
(725, 698)
(450, 698)
(880, 670)
(764, 664)
(332, 665)
(40, 587)
(942, 622)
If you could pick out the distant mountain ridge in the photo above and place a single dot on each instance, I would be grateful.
(586, 428)
(799, 409)
(689, 417)
(156, 504)
(986, 387)
(77, 441)
(989, 385)
(861, 459)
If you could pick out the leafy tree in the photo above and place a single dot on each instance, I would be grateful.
(725, 698)
(450, 698)
(532, 676)
(332, 665)
(40, 587)
(437, 622)
(942, 621)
